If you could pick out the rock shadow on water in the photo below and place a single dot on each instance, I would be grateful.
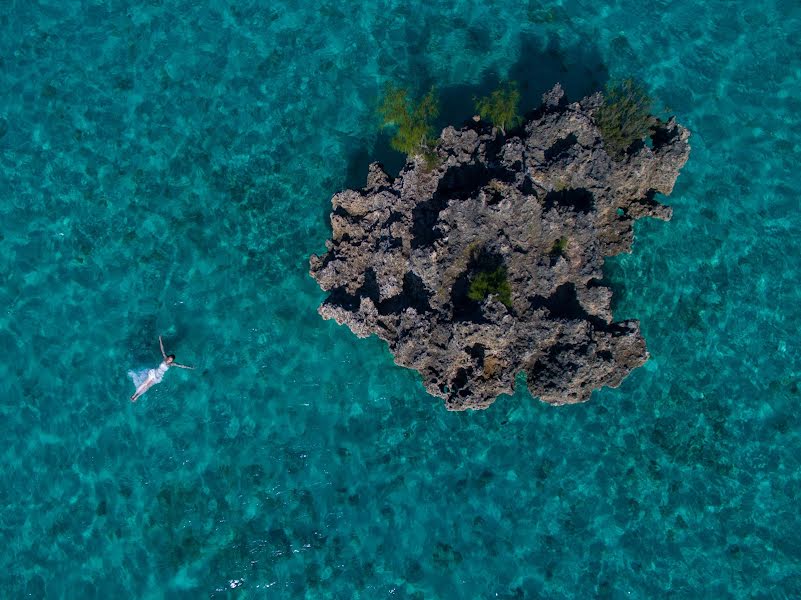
(540, 64)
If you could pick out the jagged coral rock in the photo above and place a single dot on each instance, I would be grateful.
(547, 203)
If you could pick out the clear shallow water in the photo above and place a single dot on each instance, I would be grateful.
(167, 168)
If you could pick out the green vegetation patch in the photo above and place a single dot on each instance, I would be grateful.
(486, 283)
(559, 247)
(413, 122)
(500, 107)
(431, 160)
(624, 117)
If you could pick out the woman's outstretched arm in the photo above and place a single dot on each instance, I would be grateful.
(161, 345)
(175, 364)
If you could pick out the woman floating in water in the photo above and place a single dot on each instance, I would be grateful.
(144, 380)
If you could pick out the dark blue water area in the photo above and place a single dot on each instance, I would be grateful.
(166, 168)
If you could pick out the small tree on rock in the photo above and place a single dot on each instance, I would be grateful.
(500, 107)
(414, 122)
(624, 117)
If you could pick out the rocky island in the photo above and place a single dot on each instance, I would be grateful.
(488, 260)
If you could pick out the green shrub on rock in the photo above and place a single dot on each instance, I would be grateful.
(500, 107)
(486, 283)
(414, 122)
(625, 117)
(559, 246)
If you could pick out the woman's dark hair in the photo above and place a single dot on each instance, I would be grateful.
(172, 356)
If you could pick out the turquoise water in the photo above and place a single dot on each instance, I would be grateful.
(166, 168)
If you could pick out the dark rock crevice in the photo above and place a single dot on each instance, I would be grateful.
(571, 199)
(414, 295)
(482, 259)
(560, 147)
(425, 217)
(564, 304)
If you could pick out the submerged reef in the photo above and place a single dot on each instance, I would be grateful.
(490, 262)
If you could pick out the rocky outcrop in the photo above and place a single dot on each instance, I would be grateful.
(544, 206)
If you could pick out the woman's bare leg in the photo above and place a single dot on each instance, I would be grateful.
(146, 385)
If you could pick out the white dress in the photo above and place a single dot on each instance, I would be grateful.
(142, 375)
(158, 374)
